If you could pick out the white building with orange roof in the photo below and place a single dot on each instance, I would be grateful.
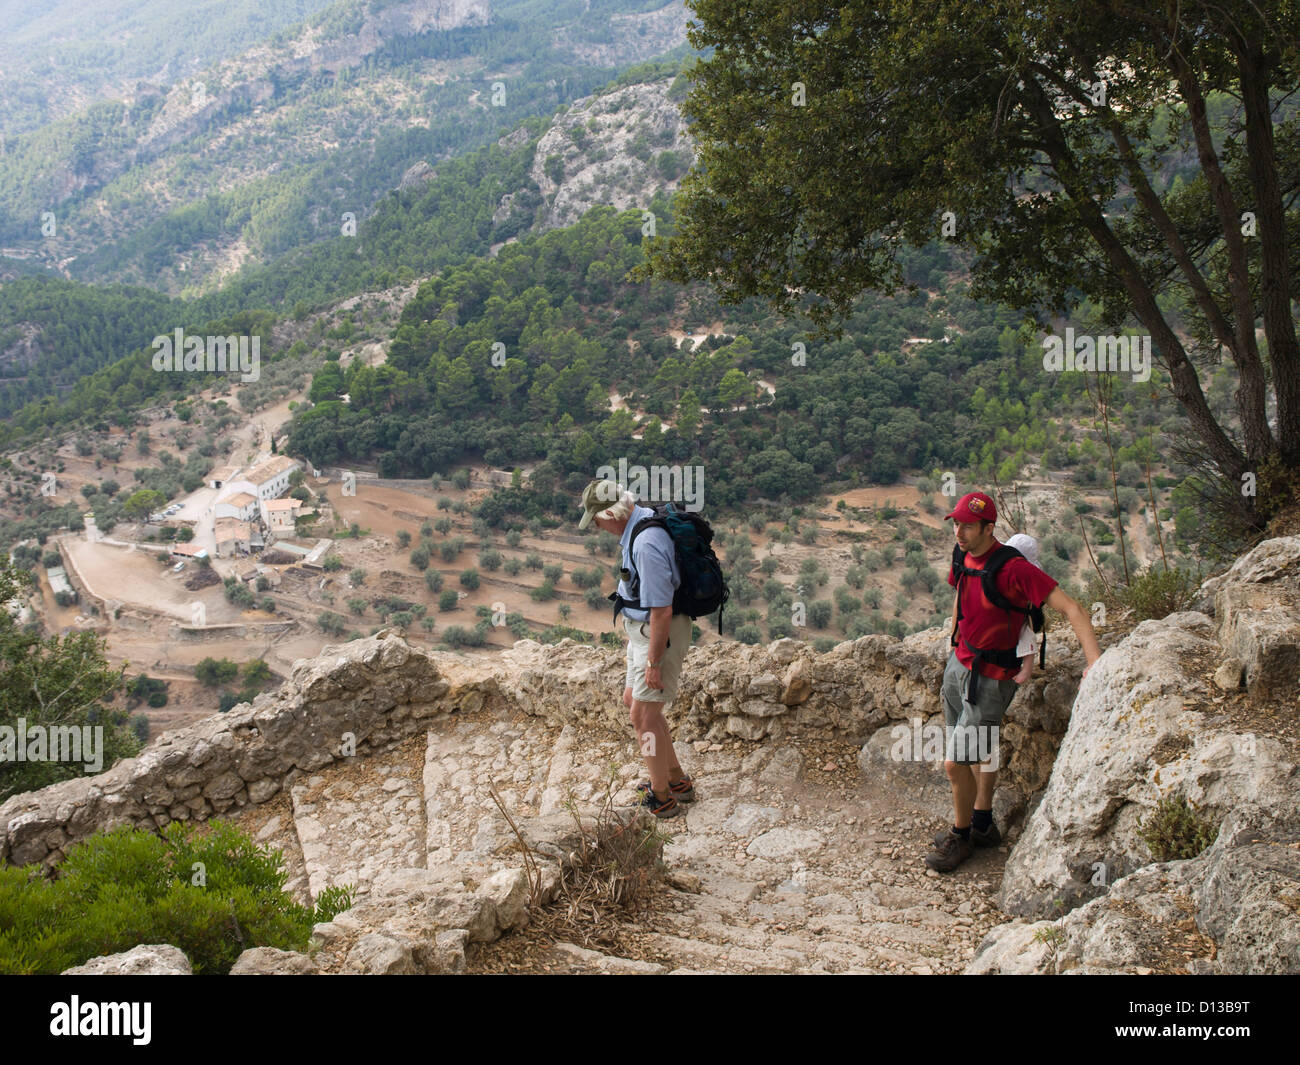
(267, 479)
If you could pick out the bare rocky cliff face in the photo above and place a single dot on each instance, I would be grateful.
(370, 766)
(617, 148)
(251, 79)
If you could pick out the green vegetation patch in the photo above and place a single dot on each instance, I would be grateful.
(209, 890)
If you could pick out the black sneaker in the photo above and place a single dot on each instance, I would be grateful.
(950, 853)
(991, 838)
(661, 808)
(683, 790)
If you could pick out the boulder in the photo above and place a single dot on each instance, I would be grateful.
(1139, 732)
(148, 959)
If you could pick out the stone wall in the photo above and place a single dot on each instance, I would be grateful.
(860, 691)
(378, 690)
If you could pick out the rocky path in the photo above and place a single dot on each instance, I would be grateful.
(790, 861)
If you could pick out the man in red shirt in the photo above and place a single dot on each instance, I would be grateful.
(977, 682)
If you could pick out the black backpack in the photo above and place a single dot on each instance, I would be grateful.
(703, 588)
(1005, 657)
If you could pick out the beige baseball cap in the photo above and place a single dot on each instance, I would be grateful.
(598, 496)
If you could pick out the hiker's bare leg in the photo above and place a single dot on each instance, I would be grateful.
(963, 792)
(985, 782)
(655, 744)
(675, 771)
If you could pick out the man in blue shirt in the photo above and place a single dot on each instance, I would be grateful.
(657, 638)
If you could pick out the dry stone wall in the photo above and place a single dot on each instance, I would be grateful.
(361, 696)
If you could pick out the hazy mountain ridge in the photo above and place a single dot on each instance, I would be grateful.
(176, 188)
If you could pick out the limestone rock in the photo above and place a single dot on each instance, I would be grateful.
(380, 955)
(796, 684)
(508, 892)
(1133, 739)
(593, 961)
(1272, 561)
(747, 818)
(781, 843)
(1228, 676)
(1260, 626)
(148, 959)
(269, 961)
(1013, 949)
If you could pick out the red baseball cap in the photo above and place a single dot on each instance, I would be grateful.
(974, 506)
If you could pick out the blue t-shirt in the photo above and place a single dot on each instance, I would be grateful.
(655, 563)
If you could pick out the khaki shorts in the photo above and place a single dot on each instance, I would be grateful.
(638, 653)
(973, 731)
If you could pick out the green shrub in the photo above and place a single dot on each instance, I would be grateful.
(1176, 830)
(209, 890)
(1157, 593)
(214, 672)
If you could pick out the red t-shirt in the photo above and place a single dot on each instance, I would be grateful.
(985, 625)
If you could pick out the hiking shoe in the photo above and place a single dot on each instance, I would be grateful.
(991, 838)
(683, 790)
(949, 854)
(664, 808)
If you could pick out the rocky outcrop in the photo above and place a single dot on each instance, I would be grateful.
(633, 37)
(1146, 725)
(148, 959)
(1234, 909)
(609, 149)
(420, 920)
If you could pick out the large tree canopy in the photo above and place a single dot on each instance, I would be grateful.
(1141, 156)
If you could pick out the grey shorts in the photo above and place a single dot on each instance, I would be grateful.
(972, 731)
(638, 653)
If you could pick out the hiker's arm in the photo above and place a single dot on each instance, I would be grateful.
(953, 627)
(1079, 622)
(661, 617)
